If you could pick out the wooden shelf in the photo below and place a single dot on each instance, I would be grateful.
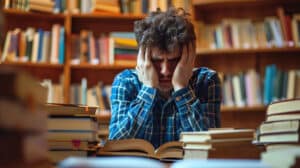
(213, 11)
(244, 109)
(107, 16)
(39, 70)
(247, 51)
(33, 14)
(240, 2)
(101, 23)
(30, 64)
(102, 67)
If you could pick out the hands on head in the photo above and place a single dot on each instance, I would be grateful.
(181, 74)
(146, 71)
(184, 69)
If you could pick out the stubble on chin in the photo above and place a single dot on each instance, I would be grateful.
(165, 91)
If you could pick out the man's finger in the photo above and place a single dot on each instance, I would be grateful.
(191, 53)
(184, 55)
(147, 56)
(141, 56)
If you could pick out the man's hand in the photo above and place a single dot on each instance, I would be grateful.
(184, 69)
(145, 69)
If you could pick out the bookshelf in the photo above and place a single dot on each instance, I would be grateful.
(73, 23)
(231, 60)
(206, 11)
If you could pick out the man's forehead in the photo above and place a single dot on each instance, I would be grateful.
(156, 53)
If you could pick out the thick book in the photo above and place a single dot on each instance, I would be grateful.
(223, 150)
(283, 117)
(284, 106)
(72, 123)
(142, 148)
(59, 109)
(281, 146)
(22, 148)
(18, 85)
(19, 118)
(279, 126)
(283, 137)
(72, 145)
(216, 135)
(70, 135)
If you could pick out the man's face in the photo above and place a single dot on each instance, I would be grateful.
(165, 64)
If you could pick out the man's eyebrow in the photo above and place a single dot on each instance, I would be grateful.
(175, 58)
(154, 57)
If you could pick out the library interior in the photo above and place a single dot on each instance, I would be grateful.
(67, 64)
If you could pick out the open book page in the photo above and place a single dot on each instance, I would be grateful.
(170, 150)
(140, 147)
(129, 147)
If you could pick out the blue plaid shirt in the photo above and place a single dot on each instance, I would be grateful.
(139, 111)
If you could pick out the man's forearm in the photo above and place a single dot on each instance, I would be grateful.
(130, 119)
(194, 115)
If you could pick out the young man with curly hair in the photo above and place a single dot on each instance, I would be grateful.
(164, 95)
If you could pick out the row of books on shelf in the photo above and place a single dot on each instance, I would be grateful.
(35, 45)
(274, 31)
(250, 89)
(54, 90)
(98, 95)
(49, 6)
(243, 89)
(95, 6)
(113, 48)
(279, 134)
(137, 7)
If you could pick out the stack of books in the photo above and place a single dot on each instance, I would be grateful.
(22, 120)
(125, 48)
(219, 143)
(103, 119)
(279, 133)
(72, 131)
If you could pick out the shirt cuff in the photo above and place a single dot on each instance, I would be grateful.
(147, 94)
(184, 96)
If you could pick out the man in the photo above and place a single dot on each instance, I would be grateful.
(164, 95)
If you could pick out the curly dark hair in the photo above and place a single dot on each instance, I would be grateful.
(165, 30)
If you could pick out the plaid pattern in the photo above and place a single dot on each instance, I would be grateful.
(140, 112)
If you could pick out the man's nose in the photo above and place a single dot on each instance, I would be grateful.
(165, 68)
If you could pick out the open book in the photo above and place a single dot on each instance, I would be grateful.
(143, 148)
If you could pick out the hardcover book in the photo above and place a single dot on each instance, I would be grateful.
(139, 147)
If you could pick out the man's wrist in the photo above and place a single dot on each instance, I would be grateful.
(178, 87)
